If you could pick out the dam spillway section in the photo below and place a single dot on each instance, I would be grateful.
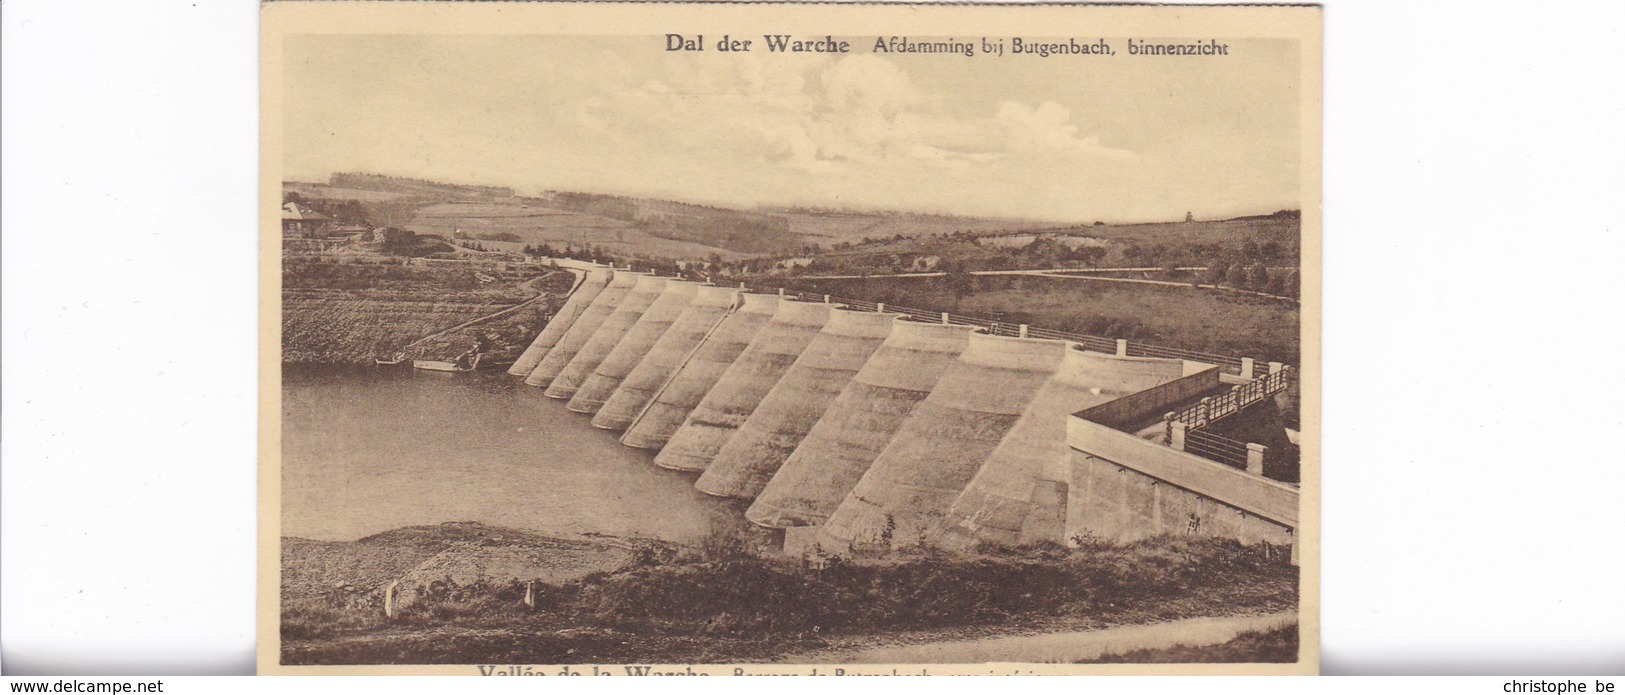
(582, 329)
(943, 443)
(670, 404)
(859, 424)
(592, 282)
(741, 389)
(644, 292)
(775, 429)
(674, 297)
(710, 307)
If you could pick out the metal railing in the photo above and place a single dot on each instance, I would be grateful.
(1095, 343)
(1212, 408)
(1216, 448)
(1230, 364)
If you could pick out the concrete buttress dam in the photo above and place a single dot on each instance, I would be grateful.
(860, 431)
(943, 443)
(1020, 493)
(742, 387)
(796, 403)
(592, 282)
(608, 335)
(859, 424)
(620, 284)
(695, 377)
(708, 308)
(638, 341)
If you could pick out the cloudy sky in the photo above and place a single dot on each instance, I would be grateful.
(1062, 138)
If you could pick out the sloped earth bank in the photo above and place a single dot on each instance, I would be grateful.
(339, 310)
(462, 599)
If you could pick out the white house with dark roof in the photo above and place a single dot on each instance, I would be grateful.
(300, 221)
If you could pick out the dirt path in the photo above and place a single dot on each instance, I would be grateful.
(487, 317)
(1060, 647)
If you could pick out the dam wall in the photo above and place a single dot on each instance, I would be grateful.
(796, 403)
(638, 341)
(899, 501)
(861, 431)
(859, 424)
(608, 335)
(1018, 495)
(743, 386)
(587, 288)
(709, 308)
(671, 404)
(588, 323)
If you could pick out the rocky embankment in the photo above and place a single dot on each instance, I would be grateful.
(350, 310)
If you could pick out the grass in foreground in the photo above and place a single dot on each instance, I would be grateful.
(721, 603)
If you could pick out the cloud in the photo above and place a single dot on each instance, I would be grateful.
(1047, 129)
(847, 115)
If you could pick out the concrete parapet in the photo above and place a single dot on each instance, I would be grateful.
(1013, 498)
(608, 335)
(698, 374)
(1099, 510)
(1255, 458)
(573, 264)
(736, 395)
(795, 404)
(1156, 402)
(585, 292)
(1113, 502)
(944, 442)
(588, 323)
(859, 424)
(1176, 435)
(708, 308)
(638, 341)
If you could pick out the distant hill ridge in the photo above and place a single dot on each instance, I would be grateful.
(402, 184)
(634, 226)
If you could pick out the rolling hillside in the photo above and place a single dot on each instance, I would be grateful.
(649, 228)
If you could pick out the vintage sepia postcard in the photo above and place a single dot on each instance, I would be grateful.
(755, 339)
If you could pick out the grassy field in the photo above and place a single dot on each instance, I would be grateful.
(558, 228)
(1274, 240)
(1214, 321)
(830, 228)
(1284, 232)
(720, 602)
(349, 310)
(438, 211)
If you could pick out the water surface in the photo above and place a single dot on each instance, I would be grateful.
(368, 450)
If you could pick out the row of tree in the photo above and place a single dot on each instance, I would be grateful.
(1258, 278)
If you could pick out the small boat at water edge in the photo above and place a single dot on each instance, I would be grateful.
(446, 366)
(440, 366)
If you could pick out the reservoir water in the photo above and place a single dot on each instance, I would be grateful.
(369, 450)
